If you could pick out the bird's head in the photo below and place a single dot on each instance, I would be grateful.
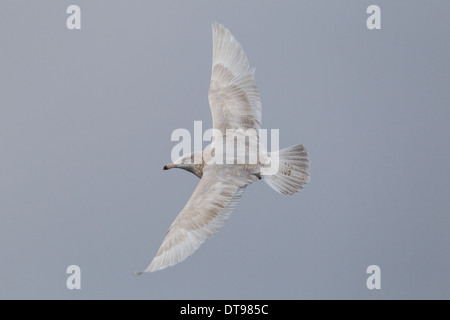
(188, 162)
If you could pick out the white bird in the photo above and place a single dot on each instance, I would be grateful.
(235, 104)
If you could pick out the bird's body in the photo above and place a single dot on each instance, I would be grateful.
(236, 107)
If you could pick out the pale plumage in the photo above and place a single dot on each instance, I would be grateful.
(235, 104)
(233, 95)
(209, 206)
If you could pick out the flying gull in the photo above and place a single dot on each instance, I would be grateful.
(235, 104)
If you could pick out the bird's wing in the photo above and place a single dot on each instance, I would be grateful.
(233, 95)
(209, 206)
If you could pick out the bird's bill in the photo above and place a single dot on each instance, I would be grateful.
(169, 166)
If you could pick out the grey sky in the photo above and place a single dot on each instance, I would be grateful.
(85, 124)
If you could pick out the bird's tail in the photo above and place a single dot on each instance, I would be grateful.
(293, 170)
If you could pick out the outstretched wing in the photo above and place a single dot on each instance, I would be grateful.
(209, 206)
(233, 95)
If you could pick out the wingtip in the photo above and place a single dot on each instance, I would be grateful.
(157, 265)
(217, 26)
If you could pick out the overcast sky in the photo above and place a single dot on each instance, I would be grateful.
(86, 118)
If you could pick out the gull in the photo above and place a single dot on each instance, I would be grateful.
(235, 103)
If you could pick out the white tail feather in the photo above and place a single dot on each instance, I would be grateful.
(293, 170)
